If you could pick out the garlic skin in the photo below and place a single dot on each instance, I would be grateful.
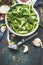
(3, 28)
(25, 49)
(37, 42)
(13, 35)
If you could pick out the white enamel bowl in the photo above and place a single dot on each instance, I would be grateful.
(31, 32)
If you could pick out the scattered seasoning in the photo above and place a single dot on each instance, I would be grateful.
(4, 42)
(23, 0)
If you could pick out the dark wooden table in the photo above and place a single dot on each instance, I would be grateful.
(33, 57)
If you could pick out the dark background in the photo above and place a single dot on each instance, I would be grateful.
(33, 57)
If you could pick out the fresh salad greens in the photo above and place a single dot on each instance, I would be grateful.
(13, 2)
(22, 19)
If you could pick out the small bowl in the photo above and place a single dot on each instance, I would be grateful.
(21, 2)
(31, 32)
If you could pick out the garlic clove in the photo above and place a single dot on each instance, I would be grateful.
(4, 9)
(3, 28)
(37, 42)
(25, 49)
